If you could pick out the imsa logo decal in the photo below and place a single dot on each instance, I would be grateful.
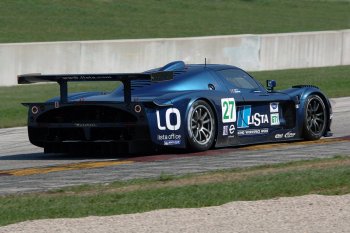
(274, 107)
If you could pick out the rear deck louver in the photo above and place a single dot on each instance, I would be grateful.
(86, 114)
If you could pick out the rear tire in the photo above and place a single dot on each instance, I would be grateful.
(201, 126)
(315, 118)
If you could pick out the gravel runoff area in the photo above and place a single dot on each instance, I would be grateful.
(311, 213)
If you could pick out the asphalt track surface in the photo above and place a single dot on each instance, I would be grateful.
(24, 167)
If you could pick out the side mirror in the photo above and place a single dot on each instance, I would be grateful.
(270, 84)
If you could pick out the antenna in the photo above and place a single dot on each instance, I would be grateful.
(205, 62)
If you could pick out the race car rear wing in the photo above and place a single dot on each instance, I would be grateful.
(125, 78)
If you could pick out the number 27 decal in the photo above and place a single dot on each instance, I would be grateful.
(228, 107)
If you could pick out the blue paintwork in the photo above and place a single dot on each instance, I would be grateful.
(192, 82)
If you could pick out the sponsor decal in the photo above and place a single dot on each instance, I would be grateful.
(228, 130)
(251, 132)
(174, 124)
(279, 136)
(169, 139)
(228, 108)
(244, 113)
(171, 142)
(289, 135)
(275, 119)
(172, 136)
(83, 77)
(225, 130)
(245, 118)
(286, 135)
(85, 125)
(235, 90)
(274, 107)
(258, 119)
(232, 129)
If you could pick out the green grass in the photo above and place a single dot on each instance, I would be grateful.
(334, 81)
(61, 20)
(328, 177)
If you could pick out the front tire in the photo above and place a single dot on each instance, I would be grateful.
(201, 126)
(315, 120)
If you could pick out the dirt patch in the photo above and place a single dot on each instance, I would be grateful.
(312, 213)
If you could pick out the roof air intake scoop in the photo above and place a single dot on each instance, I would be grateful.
(173, 66)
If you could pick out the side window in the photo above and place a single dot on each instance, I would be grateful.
(239, 79)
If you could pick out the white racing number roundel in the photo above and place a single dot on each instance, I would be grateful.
(228, 108)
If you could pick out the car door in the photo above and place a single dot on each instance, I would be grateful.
(261, 113)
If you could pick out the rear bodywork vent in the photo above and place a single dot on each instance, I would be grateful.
(301, 86)
(86, 114)
(91, 128)
(179, 72)
(138, 84)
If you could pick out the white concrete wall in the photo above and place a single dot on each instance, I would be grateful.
(250, 52)
(283, 51)
(346, 48)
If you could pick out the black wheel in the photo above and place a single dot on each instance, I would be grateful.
(315, 118)
(201, 126)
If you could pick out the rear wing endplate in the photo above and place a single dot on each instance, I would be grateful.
(125, 78)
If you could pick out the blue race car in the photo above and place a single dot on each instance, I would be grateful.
(188, 106)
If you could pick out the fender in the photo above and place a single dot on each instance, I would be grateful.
(307, 91)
